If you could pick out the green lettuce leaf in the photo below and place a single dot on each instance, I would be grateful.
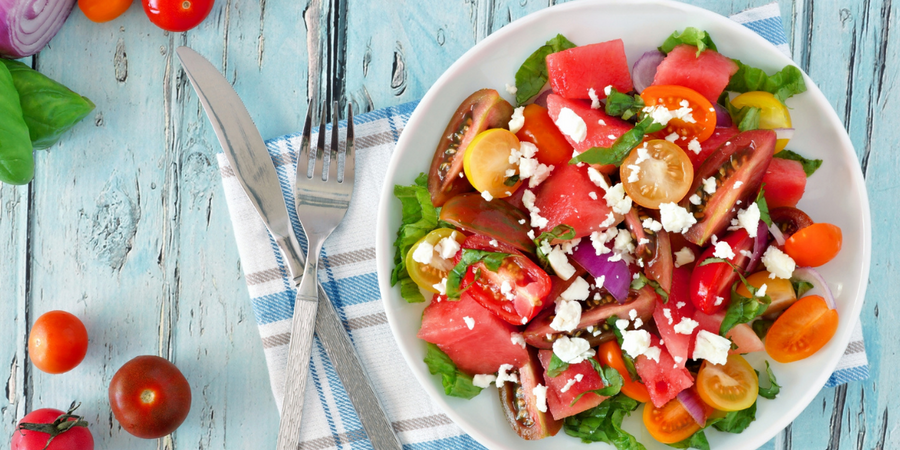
(810, 166)
(622, 105)
(603, 423)
(690, 36)
(419, 216)
(783, 85)
(774, 388)
(697, 440)
(741, 309)
(736, 421)
(532, 75)
(456, 383)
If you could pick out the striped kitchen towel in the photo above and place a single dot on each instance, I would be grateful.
(348, 275)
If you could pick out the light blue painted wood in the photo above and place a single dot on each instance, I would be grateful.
(126, 225)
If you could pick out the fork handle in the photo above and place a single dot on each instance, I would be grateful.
(302, 327)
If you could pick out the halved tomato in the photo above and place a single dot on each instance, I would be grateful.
(610, 354)
(711, 283)
(779, 290)
(428, 275)
(499, 219)
(487, 162)
(702, 115)
(802, 330)
(654, 248)
(732, 386)
(814, 245)
(539, 129)
(670, 424)
(520, 403)
(789, 220)
(656, 172)
(772, 113)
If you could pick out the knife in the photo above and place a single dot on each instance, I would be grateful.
(246, 153)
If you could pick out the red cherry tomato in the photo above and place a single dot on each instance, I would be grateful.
(177, 15)
(77, 437)
(711, 283)
(540, 130)
(610, 354)
(58, 342)
(673, 98)
(149, 397)
(103, 10)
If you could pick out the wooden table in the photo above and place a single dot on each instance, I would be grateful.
(126, 226)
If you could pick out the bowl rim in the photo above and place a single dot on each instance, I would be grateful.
(384, 249)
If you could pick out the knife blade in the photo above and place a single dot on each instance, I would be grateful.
(253, 167)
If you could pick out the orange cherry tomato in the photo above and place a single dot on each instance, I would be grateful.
(103, 10)
(732, 386)
(610, 354)
(814, 245)
(657, 172)
(57, 342)
(672, 97)
(801, 330)
(539, 129)
(669, 424)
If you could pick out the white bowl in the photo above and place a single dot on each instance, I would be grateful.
(835, 194)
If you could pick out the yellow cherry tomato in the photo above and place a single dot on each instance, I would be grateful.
(772, 113)
(487, 165)
(657, 172)
(732, 386)
(428, 275)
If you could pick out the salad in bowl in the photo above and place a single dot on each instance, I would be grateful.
(621, 239)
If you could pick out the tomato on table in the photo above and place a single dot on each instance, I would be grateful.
(57, 342)
(814, 245)
(426, 276)
(732, 386)
(610, 354)
(177, 15)
(149, 397)
(670, 424)
(677, 97)
(657, 172)
(30, 436)
(539, 129)
(802, 330)
(486, 162)
(103, 10)
(772, 113)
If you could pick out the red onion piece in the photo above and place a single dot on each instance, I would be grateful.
(723, 119)
(783, 133)
(644, 70)
(692, 403)
(759, 246)
(777, 234)
(541, 99)
(618, 277)
(820, 287)
(26, 26)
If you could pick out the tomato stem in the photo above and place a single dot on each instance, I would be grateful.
(58, 426)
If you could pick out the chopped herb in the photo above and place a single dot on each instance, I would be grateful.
(697, 440)
(622, 105)
(492, 261)
(801, 287)
(642, 281)
(561, 231)
(761, 327)
(456, 383)
(419, 216)
(532, 75)
(810, 166)
(690, 36)
(736, 421)
(763, 206)
(557, 366)
(741, 309)
(623, 145)
(774, 388)
(603, 423)
(511, 181)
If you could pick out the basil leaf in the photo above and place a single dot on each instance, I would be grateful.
(783, 85)
(623, 145)
(612, 380)
(629, 361)
(810, 166)
(801, 287)
(736, 421)
(642, 281)
(557, 366)
(419, 217)
(622, 105)
(763, 206)
(603, 423)
(743, 309)
(492, 261)
(49, 108)
(16, 151)
(456, 383)
(697, 440)
(761, 327)
(561, 231)
(532, 75)
(774, 388)
(690, 36)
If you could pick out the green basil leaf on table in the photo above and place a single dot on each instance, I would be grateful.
(456, 383)
(532, 75)
(16, 151)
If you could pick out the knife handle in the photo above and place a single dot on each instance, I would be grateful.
(349, 368)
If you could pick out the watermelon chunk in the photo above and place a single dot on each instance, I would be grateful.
(563, 198)
(558, 401)
(785, 183)
(479, 350)
(602, 129)
(707, 74)
(664, 380)
(667, 315)
(575, 71)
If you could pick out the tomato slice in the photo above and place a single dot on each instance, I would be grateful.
(539, 129)
(779, 290)
(814, 245)
(516, 292)
(802, 330)
(711, 283)
(497, 219)
(671, 423)
(487, 163)
(610, 354)
(772, 113)
(428, 275)
(676, 97)
(656, 172)
(789, 220)
(732, 386)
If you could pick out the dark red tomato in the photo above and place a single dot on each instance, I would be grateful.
(528, 283)
(564, 198)
(149, 397)
(540, 130)
(57, 342)
(785, 182)
(496, 219)
(654, 248)
(719, 137)
(667, 315)
(711, 283)
(77, 437)
(789, 220)
(520, 404)
(177, 15)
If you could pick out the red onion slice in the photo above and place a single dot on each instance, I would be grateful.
(617, 276)
(759, 246)
(777, 234)
(644, 70)
(723, 119)
(26, 26)
(783, 133)
(541, 99)
(820, 287)
(692, 403)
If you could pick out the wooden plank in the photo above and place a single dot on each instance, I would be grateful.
(14, 205)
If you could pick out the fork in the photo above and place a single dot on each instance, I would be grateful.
(321, 202)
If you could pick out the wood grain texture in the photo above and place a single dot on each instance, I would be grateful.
(125, 224)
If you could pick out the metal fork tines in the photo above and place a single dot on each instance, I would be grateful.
(321, 200)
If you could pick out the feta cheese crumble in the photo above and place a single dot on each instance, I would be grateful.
(483, 380)
(683, 257)
(448, 246)
(517, 339)
(540, 397)
(723, 250)
(560, 263)
(511, 89)
(709, 185)
(617, 200)
(578, 290)
(517, 120)
(595, 102)
(711, 347)
(571, 124)
(652, 353)
(634, 176)
(441, 287)
(674, 218)
(470, 322)
(568, 314)
(503, 375)
(487, 196)
(778, 263)
(686, 326)
(424, 253)
(635, 342)
(572, 350)
(571, 381)
(694, 146)
(761, 292)
(748, 219)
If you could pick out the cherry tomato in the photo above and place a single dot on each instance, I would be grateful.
(487, 162)
(789, 220)
(802, 330)
(58, 342)
(177, 15)
(674, 98)
(732, 386)
(772, 113)
(780, 290)
(528, 284)
(77, 437)
(657, 172)
(814, 245)
(103, 10)
(540, 130)
(610, 354)
(149, 397)
(669, 424)
(711, 283)
(497, 219)
(428, 275)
